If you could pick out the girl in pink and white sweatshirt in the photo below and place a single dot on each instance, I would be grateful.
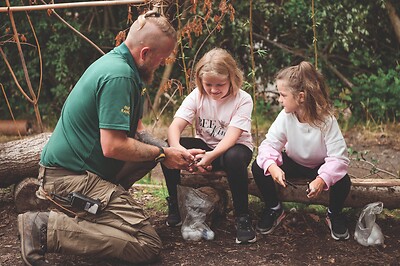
(304, 141)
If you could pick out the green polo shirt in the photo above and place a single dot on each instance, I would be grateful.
(107, 96)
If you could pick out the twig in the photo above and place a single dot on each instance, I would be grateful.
(40, 57)
(375, 167)
(70, 5)
(25, 69)
(75, 30)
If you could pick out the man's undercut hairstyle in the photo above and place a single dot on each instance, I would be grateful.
(160, 21)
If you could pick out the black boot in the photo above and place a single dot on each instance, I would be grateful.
(174, 218)
(32, 227)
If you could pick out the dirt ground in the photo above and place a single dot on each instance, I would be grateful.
(302, 239)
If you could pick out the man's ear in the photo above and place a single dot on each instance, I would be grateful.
(144, 52)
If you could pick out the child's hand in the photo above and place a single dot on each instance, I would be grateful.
(315, 187)
(192, 163)
(277, 174)
(204, 162)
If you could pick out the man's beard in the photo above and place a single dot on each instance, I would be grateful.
(146, 74)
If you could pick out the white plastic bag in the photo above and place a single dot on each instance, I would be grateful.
(368, 232)
(194, 206)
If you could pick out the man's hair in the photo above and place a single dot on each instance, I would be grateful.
(219, 62)
(143, 21)
(161, 22)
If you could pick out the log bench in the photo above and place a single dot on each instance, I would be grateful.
(363, 191)
(19, 160)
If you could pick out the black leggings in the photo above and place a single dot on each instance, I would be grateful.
(337, 193)
(234, 162)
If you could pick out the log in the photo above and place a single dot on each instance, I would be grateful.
(18, 127)
(19, 159)
(363, 191)
(25, 196)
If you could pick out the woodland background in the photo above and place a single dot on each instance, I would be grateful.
(356, 45)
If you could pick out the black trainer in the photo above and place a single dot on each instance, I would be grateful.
(244, 230)
(337, 225)
(174, 218)
(270, 219)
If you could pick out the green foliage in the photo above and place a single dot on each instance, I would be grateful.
(65, 55)
(354, 38)
(376, 96)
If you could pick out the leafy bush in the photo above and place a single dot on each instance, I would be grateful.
(376, 96)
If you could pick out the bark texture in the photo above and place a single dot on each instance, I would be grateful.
(20, 158)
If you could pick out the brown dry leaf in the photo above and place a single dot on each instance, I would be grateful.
(314, 217)
(23, 38)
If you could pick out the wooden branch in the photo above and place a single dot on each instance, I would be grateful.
(363, 191)
(70, 5)
(394, 18)
(302, 54)
(25, 69)
(347, 82)
(284, 47)
(76, 31)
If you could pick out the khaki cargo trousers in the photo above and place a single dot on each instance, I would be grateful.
(119, 230)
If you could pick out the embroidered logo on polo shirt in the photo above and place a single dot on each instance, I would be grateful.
(126, 110)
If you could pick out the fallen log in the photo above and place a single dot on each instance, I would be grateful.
(20, 158)
(363, 191)
(17, 127)
(25, 196)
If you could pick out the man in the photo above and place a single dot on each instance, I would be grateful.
(82, 166)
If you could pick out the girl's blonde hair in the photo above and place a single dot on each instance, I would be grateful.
(219, 62)
(307, 79)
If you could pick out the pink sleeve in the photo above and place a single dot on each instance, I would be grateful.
(270, 150)
(337, 162)
(267, 156)
(332, 171)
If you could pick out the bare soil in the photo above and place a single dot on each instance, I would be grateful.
(302, 239)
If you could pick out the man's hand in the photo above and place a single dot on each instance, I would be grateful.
(178, 158)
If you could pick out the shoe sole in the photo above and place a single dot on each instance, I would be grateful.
(344, 236)
(277, 222)
(21, 233)
(171, 225)
(247, 241)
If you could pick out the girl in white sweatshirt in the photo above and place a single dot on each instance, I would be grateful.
(304, 141)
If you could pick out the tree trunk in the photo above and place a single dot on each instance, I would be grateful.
(363, 191)
(20, 158)
(394, 18)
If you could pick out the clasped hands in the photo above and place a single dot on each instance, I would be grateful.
(201, 161)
